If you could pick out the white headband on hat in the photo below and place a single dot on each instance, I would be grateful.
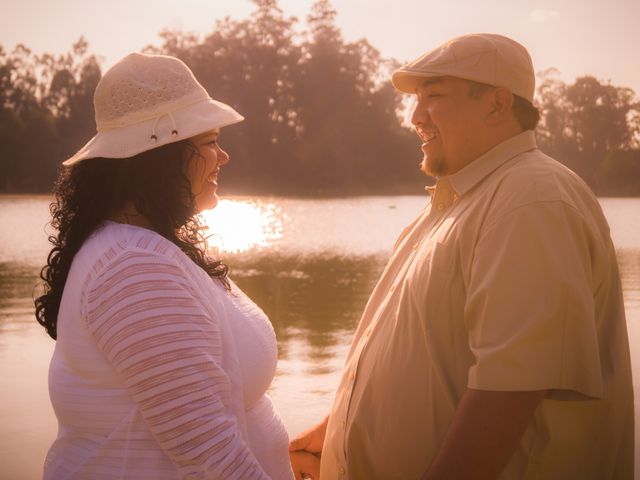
(146, 101)
(481, 57)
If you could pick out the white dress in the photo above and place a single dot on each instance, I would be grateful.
(158, 371)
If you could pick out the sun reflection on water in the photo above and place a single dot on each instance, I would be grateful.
(236, 226)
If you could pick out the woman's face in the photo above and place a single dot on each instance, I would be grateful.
(203, 167)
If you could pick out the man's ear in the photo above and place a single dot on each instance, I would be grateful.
(501, 101)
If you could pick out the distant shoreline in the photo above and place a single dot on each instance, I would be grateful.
(293, 196)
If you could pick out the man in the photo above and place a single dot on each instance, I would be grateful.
(494, 344)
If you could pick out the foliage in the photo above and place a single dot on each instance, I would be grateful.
(586, 124)
(321, 115)
(46, 113)
(619, 173)
(316, 120)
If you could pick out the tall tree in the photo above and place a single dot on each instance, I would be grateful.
(18, 80)
(248, 64)
(321, 114)
(27, 128)
(46, 112)
(350, 139)
(585, 121)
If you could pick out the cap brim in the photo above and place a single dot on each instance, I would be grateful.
(408, 82)
(124, 142)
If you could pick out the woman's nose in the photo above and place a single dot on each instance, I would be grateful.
(223, 157)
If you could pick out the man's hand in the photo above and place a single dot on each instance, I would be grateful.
(305, 465)
(311, 440)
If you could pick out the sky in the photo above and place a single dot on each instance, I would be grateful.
(577, 37)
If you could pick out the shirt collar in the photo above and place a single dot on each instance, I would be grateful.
(467, 178)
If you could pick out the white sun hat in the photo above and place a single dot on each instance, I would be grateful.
(146, 101)
(482, 57)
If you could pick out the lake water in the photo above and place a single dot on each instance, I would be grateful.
(310, 264)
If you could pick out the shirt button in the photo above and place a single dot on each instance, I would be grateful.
(441, 206)
(342, 470)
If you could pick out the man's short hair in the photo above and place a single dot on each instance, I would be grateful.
(527, 115)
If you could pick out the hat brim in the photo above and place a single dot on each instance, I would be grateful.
(124, 142)
(408, 81)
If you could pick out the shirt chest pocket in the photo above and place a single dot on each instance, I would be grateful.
(434, 280)
(430, 268)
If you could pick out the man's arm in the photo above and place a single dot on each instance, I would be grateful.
(483, 435)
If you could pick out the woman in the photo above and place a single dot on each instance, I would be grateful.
(161, 363)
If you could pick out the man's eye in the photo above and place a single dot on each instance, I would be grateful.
(212, 143)
(430, 96)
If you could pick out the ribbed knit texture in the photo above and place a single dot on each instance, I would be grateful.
(147, 379)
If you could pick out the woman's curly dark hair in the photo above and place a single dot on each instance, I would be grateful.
(88, 192)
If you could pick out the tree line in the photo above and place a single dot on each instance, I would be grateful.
(321, 115)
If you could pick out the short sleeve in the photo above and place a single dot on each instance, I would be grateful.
(530, 309)
(167, 351)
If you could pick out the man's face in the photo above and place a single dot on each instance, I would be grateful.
(450, 124)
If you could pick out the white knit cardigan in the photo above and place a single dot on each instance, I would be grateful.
(144, 379)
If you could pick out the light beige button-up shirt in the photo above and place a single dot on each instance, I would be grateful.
(508, 281)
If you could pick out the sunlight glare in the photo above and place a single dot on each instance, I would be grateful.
(236, 226)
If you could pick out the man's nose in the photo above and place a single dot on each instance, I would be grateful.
(419, 115)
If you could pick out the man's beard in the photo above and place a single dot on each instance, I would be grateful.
(434, 166)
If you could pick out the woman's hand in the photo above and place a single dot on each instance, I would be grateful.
(305, 465)
(310, 440)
